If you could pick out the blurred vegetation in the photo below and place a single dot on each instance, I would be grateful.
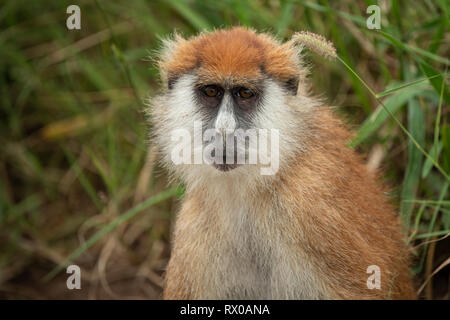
(77, 182)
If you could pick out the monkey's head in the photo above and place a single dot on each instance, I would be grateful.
(222, 87)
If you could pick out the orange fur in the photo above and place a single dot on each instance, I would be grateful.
(233, 54)
(323, 208)
(348, 222)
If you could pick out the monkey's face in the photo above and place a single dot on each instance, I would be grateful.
(231, 111)
(225, 101)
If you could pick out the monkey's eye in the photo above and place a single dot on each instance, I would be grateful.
(212, 91)
(245, 93)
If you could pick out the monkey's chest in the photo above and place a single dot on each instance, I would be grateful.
(255, 262)
(248, 264)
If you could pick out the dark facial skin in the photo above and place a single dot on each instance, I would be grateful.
(244, 103)
(245, 99)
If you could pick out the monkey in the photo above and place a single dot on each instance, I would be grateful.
(310, 230)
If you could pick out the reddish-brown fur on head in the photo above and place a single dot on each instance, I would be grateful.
(231, 54)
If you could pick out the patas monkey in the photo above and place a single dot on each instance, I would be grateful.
(310, 230)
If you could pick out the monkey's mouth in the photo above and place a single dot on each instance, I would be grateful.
(224, 167)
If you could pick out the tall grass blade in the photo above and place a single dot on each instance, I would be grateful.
(164, 195)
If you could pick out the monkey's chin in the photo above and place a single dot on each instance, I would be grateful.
(225, 167)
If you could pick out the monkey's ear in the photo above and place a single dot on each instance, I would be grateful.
(171, 79)
(292, 85)
(296, 45)
(165, 55)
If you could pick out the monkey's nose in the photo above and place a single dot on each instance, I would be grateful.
(225, 122)
(226, 129)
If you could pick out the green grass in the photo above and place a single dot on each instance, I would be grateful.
(76, 183)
